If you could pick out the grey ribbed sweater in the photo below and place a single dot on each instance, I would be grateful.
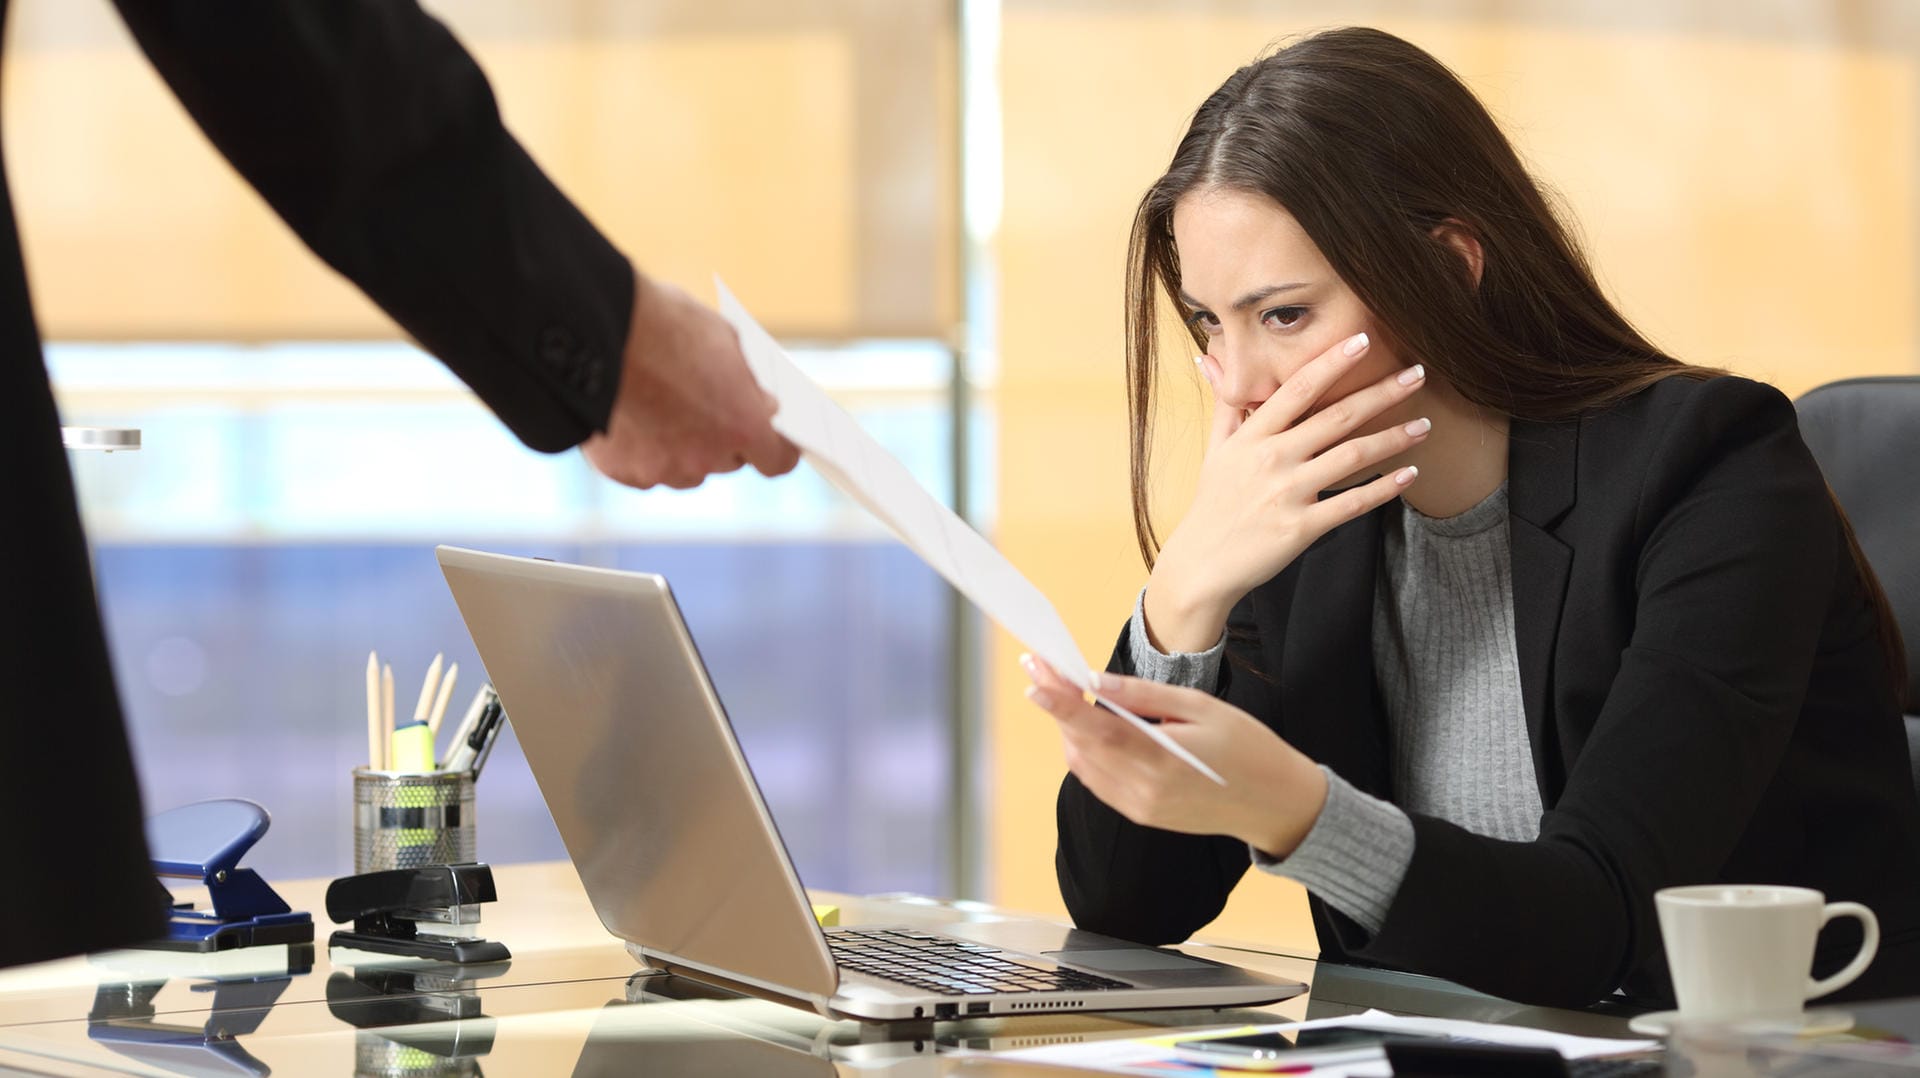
(1445, 660)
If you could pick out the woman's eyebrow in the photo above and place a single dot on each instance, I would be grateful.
(1256, 296)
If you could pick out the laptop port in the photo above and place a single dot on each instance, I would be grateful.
(946, 1010)
(977, 1008)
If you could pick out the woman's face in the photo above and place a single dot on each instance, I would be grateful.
(1267, 302)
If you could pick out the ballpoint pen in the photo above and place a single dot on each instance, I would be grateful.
(470, 752)
(490, 726)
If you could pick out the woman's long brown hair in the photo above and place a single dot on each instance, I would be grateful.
(1371, 144)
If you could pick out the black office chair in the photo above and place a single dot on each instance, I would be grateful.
(1865, 432)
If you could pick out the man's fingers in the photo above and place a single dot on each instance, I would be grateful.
(771, 454)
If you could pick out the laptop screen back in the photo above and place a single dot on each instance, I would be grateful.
(639, 766)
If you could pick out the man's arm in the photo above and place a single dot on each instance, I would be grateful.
(373, 133)
(370, 130)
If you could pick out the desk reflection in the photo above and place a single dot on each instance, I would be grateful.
(571, 1001)
(415, 1020)
(125, 1021)
(668, 1024)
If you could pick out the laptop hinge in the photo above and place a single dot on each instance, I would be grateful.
(731, 984)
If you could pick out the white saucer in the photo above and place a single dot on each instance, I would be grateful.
(1808, 1024)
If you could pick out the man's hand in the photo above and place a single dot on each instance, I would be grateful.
(688, 406)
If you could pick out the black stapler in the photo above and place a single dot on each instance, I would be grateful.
(387, 907)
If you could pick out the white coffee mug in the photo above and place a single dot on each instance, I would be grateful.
(1746, 951)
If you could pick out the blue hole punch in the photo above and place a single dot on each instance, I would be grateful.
(204, 841)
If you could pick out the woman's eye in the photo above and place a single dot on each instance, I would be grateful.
(1204, 321)
(1283, 317)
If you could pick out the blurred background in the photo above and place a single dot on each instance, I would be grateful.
(928, 201)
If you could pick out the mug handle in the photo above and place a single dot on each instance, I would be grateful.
(1870, 925)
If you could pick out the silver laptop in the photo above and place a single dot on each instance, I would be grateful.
(661, 815)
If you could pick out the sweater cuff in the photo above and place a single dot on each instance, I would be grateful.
(1188, 669)
(1355, 855)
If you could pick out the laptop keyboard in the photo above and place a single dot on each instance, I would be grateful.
(951, 966)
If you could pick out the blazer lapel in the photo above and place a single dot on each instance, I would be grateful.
(1326, 672)
(1541, 460)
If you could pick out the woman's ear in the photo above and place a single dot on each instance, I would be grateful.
(1455, 234)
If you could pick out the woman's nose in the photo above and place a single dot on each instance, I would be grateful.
(1243, 381)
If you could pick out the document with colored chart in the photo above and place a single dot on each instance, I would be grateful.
(852, 460)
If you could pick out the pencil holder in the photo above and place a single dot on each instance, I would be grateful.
(404, 820)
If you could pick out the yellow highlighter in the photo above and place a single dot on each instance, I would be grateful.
(412, 748)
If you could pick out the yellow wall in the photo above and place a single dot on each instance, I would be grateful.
(1748, 199)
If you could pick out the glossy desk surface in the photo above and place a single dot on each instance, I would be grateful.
(572, 1002)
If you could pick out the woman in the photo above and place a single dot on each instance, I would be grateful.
(1495, 618)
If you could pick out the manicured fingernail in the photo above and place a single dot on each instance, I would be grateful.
(1099, 680)
(1418, 427)
(1038, 697)
(1026, 663)
(1356, 344)
(1405, 475)
(1413, 374)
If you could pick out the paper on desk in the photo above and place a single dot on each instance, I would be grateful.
(850, 459)
(1154, 1055)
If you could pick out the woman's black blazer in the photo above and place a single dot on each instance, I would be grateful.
(1705, 695)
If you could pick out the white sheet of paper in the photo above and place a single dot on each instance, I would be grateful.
(1150, 1055)
(852, 460)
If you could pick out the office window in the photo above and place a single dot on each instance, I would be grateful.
(279, 522)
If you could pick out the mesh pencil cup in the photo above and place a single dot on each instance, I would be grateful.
(405, 820)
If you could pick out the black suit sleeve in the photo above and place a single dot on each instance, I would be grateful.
(370, 130)
(1142, 883)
